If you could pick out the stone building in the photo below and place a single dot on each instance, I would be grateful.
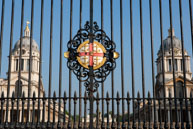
(23, 87)
(179, 77)
(168, 88)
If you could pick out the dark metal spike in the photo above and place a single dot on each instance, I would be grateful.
(13, 94)
(75, 95)
(34, 94)
(149, 95)
(128, 95)
(2, 94)
(97, 95)
(138, 95)
(64, 94)
(170, 95)
(44, 94)
(118, 95)
(54, 94)
(85, 94)
(107, 95)
(23, 95)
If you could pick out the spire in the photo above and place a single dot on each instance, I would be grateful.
(171, 31)
(27, 30)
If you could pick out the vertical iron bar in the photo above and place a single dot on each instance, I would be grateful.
(191, 103)
(64, 111)
(142, 61)
(163, 61)
(10, 59)
(107, 101)
(174, 77)
(30, 65)
(118, 115)
(122, 65)
(91, 96)
(70, 71)
(43, 111)
(132, 62)
(112, 73)
(152, 63)
(12, 110)
(50, 64)
(2, 28)
(20, 60)
(75, 102)
(80, 83)
(98, 116)
(23, 104)
(138, 107)
(85, 108)
(160, 115)
(2, 105)
(102, 124)
(181, 111)
(60, 63)
(102, 23)
(40, 61)
(191, 24)
(128, 108)
(149, 105)
(184, 63)
(12, 106)
(33, 110)
(54, 110)
(170, 108)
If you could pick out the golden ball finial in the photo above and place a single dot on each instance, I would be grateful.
(27, 23)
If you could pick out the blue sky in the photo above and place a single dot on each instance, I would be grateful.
(97, 16)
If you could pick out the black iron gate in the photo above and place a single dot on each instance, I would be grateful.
(108, 93)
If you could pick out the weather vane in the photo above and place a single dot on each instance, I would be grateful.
(91, 61)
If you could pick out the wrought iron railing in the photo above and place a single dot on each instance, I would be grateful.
(162, 109)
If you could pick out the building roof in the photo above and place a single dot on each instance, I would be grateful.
(167, 42)
(26, 41)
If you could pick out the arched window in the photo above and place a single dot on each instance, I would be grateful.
(18, 88)
(179, 89)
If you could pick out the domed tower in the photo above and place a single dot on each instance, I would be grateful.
(168, 69)
(25, 60)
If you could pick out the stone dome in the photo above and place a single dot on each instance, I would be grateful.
(167, 42)
(26, 41)
(26, 44)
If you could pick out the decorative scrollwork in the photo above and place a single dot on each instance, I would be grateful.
(82, 73)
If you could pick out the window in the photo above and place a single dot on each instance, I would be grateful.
(37, 65)
(22, 64)
(170, 65)
(17, 64)
(27, 65)
(176, 65)
(181, 64)
(179, 89)
(18, 88)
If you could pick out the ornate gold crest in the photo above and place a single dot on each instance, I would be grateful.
(91, 54)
